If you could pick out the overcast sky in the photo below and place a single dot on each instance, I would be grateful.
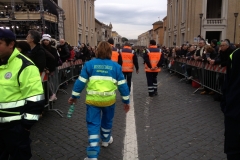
(130, 18)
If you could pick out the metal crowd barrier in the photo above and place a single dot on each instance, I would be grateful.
(206, 75)
(63, 75)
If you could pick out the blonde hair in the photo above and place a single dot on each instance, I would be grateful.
(104, 50)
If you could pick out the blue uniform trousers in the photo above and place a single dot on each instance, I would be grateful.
(99, 121)
(15, 143)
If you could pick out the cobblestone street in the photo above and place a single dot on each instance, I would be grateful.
(175, 125)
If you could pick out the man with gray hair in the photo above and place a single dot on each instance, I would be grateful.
(63, 50)
(222, 57)
(37, 51)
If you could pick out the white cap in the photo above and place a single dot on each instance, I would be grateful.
(46, 36)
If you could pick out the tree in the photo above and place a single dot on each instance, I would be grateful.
(124, 39)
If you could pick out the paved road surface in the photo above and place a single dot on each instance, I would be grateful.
(175, 125)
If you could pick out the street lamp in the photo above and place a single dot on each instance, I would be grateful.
(235, 15)
(201, 15)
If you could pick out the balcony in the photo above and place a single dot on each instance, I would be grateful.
(35, 16)
(214, 22)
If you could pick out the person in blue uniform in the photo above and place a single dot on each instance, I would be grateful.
(102, 76)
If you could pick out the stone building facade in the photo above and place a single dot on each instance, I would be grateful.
(212, 19)
(103, 32)
(117, 39)
(158, 32)
(79, 24)
(165, 30)
(133, 42)
(144, 38)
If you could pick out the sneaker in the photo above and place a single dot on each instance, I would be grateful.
(190, 77)
(105, 144)
(211, 93)
(90, 158)
(203, 92)
(53, 98)
(151, 95)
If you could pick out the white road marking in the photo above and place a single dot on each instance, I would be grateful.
(130, 151)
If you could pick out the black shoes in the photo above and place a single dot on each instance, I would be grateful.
(153, 94)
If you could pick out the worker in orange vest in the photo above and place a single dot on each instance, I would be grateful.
(129, 60)
(153, 61)
(115, 52)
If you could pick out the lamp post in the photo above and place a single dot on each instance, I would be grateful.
(235, 15)
(201, 15)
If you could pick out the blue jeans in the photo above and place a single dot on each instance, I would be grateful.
(99, 121)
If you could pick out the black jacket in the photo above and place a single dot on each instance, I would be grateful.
(64, 52)
(38, 57)
(231, 88)
(223, 56)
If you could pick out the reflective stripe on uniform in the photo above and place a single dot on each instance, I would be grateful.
(91, 153)
(28, 116)
(121, 82)
(10, 118)
(93, 144)
(101, 93)
(105, 130)
(103, 78)
(1, 111)
(82, 79)
(75, 93)
(36, 98)
(125, 97)
(126, 60)
(12, 104)
(93, 136)
(105, 135)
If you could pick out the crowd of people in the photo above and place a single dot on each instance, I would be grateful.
(215, 53)
(48, 55)
(105, 69)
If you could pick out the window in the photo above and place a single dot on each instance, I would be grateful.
(176, 13)
(183, 10)
(85, 13)
(79, 11)
(90, 16)
(170, 17)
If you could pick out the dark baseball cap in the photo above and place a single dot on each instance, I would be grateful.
(6, 33)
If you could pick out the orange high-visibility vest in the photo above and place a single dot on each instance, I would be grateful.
(154, 58)
(127, 59)
(115, 54)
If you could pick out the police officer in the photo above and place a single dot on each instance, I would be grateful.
(153, 61)
(129, 60)
(103, 76)
(231, 107)
(21, 100)
(115, 55)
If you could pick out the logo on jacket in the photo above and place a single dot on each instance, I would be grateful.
(8, 75)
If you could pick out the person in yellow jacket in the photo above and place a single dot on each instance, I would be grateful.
(21, 100)
(115, 52)
(129, 60)
(153, 61)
